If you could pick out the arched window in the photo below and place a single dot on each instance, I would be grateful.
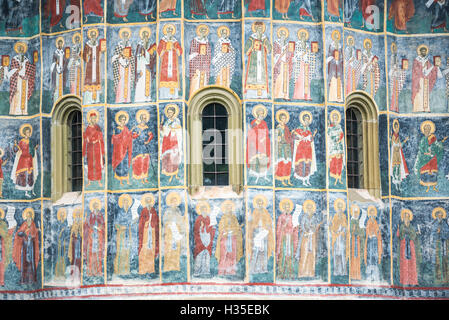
(66, 147)
(362, 140)
(215, 144)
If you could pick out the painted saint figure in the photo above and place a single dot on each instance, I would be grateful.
(256, 6)
(373, 246)
(258, 154)
(93, 7)
(440, 13)
(93, 239)
(93, 148)
(370, 69)
(26, 248)
(142, 136)
(283, 51)
(173, 233)
(365, 8)
(148, 235)
(260, 235)
(198, 8)
(171, 146)
(62, 230)
(203, 234)
(398, 170)
(409, 250)
(167, 6)
(22, 76)
(55, 9)
(2, 163)
(121, 8)
(58, 69)
(335, 68)
(304, 149)
(397, 76)
(226, 7)
(123, 235)
(333, 9)
(122, 147)
(350, 7)
(257, 48)
(284, 147)
(353, 66)
(306, 251)
(340, 240)
(304, 66)
(74, 65)
(123, 67)
(336, 147)
(430, 155)
(25, 168)
(282, 7)
(5, 245)
(199, 59)
(145, 66)
(229, 248)
(286, 240)
(92, 72)
(440, 230)
(357, 239)
(401, 11)
(147, 8)
(169, 51)
(224, 58)
(76, 240)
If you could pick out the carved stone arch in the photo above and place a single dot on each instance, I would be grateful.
(59, 148)
(233, 105)
(370, 128)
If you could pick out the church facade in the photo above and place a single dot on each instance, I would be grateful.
(108, 108)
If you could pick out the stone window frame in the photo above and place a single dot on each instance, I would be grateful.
(59, 145)
(234, 107)
(364, 103)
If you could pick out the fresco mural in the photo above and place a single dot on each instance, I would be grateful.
(135, 65)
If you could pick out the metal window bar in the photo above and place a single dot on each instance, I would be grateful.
(75, 165)
(354, 148)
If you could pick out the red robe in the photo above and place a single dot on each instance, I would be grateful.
(92, 6)
(417, 74)
(256, 5)
(402, 11)
(285, 226)
(365, 4)
(122, 145)
(94, 260)
(144, 217)
(20, 252)
(199, 246)
(30, 75)
(258, 141)
(56, 11)
(93, 150)
(166, 79)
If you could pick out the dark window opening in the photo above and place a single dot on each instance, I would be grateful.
(354, 148)
(74, 157)
(215, 145)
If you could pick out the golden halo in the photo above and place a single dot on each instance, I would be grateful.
(418, 50)
(171, 105)
(25, 213)
(394, 47)
(336, 35)
(396, 121)
(282, 29)
(253, 26)
(22, 128)
(144, 29)
(122, 30)
(122, 198)
(61, 214)
(200, 204)
(140, 112)
(309, 201)
(434, 211)
(263, 198)
(77, 213)
(120, 113)
(223, 28)
(350, 38)
(20, 43)
(89, 32)
(258, 107)
(75, 35)
(337, 201)
(366, 41)
(201, 26)
(57, 40)
(404, 211)
(92, 202)
(354, 206)
(2, 213)
(281, 112)
(372, 214)
(302, 114)
(173, 195)
(301, 31)
(92, 112)
(227, 202)
(2, 152)
(164, 29)
(147, 198)
(281, 204)
(337, 113)
(428, 122)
